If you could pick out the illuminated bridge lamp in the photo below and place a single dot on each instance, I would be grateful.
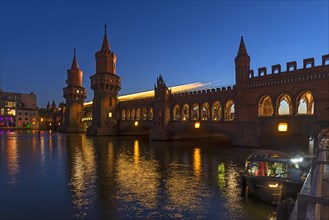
(136, 123)
(197, 125)
(110, 114)
(283, 127)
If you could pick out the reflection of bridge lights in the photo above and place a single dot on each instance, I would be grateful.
(197, 162)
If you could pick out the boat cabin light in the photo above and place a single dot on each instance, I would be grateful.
(273, 185)
(296, 160)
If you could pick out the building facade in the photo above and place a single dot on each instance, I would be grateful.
(18, 110)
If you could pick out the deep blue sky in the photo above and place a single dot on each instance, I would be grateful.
(185, 41)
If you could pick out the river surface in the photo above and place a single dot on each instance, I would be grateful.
(71, 176)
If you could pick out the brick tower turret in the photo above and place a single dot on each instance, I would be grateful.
(106, 85)
(242, 63)
(74, 95)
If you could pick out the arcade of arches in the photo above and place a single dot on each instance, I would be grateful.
(304, 105)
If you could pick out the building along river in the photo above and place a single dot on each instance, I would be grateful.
(71, 176)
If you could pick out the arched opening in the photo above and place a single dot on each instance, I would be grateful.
(150, 114)
(128, 114)
(216, 111)
(265, 107)
(205, 111)
(144, 114)
(305, 104)
(138, 114)
(123, 115)
(195, 112)
(176, 113)
(229, 111)
(132, 114)
(284, 105)
(185, 112)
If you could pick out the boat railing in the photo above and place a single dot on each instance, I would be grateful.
(313, 200)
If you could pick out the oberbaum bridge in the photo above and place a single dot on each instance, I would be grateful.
(273, 108)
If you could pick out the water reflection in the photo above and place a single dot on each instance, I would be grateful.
(197, 162)
(138, 179)
(13, 160)
(83, 174)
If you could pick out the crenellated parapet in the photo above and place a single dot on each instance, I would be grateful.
(291, 68)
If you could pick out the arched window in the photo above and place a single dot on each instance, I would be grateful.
(265, 107)
(176, 113)
(128, 114)
(205, 111)
(284, 105)
(229, 111)
(138, 114)
(305, 104)
(144, 114)
(185, 112)
(216, 111)
(195, 112)
(150, 115)
(123, 115)
(132, 114)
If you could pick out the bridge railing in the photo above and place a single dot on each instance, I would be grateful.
(313, 200)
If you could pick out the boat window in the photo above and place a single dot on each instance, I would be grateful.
(262, 168)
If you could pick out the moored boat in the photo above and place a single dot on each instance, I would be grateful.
(273, 175)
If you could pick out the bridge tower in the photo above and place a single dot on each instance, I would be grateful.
(74, 95)
(161, 110)
(242, 63)
(106, 85)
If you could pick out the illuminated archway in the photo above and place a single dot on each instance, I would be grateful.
(265, 107)
(185, 112)
(205, 111)
(229, 114)
(128, 114)
(138, 114)
(132, 114)
(284, 105)
(195, 112)
(305, 104)
(144, 114)
(150, 114)
(123, 115)
(176, 112)
(216, 111)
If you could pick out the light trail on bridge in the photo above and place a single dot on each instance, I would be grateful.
(150, 93)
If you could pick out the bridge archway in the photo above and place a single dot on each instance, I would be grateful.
(195, 112)
(216, 111)
(305, 103)
(176, 113)
(205, 111)
(186, 112)
(265, 106)
(284, 104)
(229, 113)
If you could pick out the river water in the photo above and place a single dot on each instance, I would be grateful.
(71, 176)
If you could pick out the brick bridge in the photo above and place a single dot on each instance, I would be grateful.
(248, 113)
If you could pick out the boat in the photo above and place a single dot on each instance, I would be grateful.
(273, 175)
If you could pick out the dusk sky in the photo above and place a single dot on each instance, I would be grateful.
(185, 41)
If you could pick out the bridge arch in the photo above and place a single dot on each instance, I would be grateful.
(265, 106)
(144, 114)
(216, 110)
(229, 110)
(150, 113)
(176, 113)
(185, 112)
(138, 114)
(205, 111)
(123, 114)
(132, 114)
(305, 103)
(284, 104)
(195, 111)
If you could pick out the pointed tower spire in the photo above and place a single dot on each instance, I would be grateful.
(105, 45)
(242, 48)
(74, 63)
